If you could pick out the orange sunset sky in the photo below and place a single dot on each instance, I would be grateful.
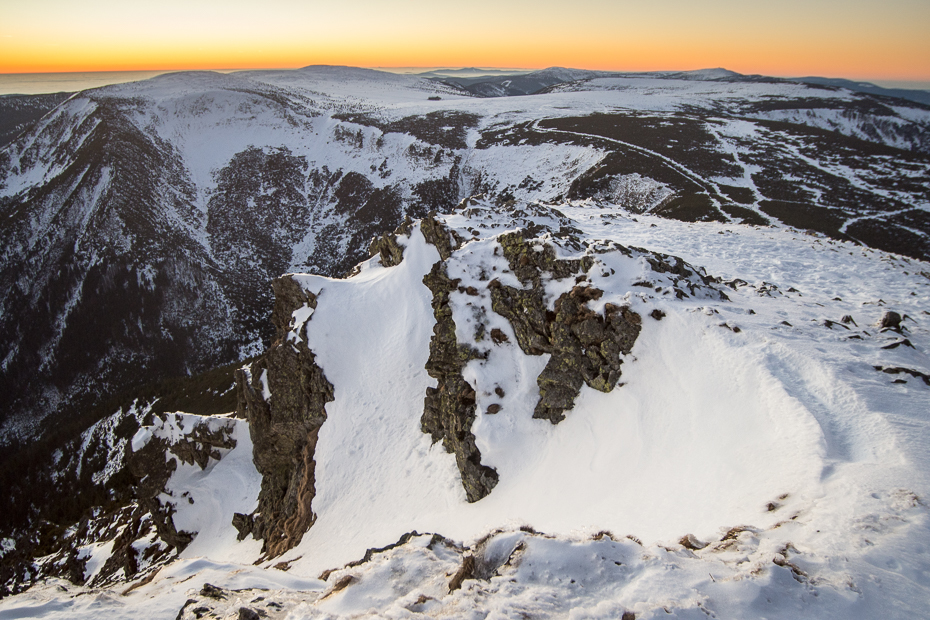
(854, 39)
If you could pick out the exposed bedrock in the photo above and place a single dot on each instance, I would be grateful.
(387, 247)
(449, 408)
(154, 463)
(283, 395)
(585, 346)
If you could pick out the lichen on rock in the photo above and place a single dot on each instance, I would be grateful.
(449, 409)
(586, 348)
(285, 426)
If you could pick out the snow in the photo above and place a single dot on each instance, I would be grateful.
(96, 556)
(300, 316)
(803, 468)
(141, 438)
(786, 433)
(205, 500)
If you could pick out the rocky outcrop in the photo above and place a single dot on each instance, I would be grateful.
(449, 408)
(585, 347)
(387, 247)
(153, 464)
(283, 395)
(444, 239)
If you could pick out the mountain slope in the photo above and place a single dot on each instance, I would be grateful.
(143, 222)
(761, 450)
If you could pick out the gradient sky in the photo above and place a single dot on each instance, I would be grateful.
(857, 39)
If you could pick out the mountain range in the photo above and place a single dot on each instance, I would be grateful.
(714, 282)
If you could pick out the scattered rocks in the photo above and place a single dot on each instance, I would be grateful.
(248, 614)
(211, 591)
(153, 464)
(894, 370)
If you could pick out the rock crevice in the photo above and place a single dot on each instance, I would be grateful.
(449, 409)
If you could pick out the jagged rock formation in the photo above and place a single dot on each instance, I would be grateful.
(449, 408)
(585, 347)
(132, 532)
(283, 395)
(387, 247)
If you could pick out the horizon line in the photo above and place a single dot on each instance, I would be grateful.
(917, 84)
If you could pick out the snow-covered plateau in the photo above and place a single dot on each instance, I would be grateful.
(637, 347)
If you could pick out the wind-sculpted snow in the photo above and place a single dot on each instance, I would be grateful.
(711, 257)
(371, 342)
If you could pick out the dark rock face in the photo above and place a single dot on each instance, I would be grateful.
(256, 215)
(284, 428)
(436, 234)
(449, 408)
(387, 247)
(585, 346)
(101, 285)
(18, 113)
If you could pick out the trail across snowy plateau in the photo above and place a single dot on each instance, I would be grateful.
(764, 453)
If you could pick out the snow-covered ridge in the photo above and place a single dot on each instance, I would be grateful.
(762, 453)
(222, 182)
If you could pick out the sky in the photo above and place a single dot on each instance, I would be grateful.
(855, 39)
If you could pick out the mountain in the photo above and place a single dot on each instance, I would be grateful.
(918, 96)
(515, 84)
(143, 221)
(18, 113)
(526, 408)
(145, 227)
(471, 72)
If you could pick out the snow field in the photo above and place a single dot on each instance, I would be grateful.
(700, 438)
